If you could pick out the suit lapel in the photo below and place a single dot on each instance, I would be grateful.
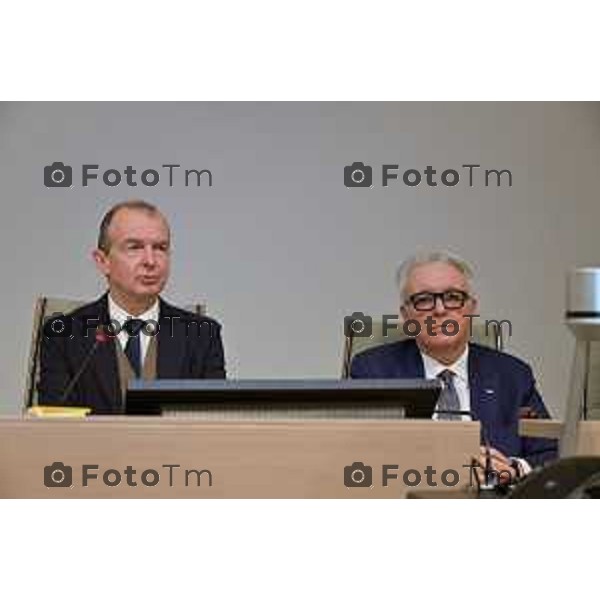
(170, 343)
(105, 363)
(411, 360)
(484, 387)
(105, 368)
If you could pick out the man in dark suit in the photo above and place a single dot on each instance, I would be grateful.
(483, 384)
(130, 332)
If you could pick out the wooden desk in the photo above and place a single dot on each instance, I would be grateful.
(246, 459)
(588, 433)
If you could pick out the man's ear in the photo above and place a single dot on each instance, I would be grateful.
(474, 305)
(101, 261)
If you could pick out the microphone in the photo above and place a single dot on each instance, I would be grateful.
(490, 484)
(101, 338)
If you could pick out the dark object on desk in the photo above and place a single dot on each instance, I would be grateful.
(575, 477)
(285, 399)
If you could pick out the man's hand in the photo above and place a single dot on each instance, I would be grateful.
(491, 459)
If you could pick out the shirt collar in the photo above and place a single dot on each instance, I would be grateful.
(119, 314)
(433, 367)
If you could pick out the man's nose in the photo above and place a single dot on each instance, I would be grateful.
(439, 308)
(149, 256)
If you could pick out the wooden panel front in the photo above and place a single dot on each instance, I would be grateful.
(245, 460)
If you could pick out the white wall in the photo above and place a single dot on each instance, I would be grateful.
(279, 248)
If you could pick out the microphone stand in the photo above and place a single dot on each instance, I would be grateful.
(101, 338)
(491, 487)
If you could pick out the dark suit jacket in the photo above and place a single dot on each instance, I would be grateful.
(188, 347)
(501, 386)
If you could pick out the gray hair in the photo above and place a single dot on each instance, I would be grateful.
(405, 269)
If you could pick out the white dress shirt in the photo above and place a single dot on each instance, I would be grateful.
(120, 315)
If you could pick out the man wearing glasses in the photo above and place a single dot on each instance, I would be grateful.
(478, 382)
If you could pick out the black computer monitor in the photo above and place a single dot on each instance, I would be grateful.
(285, 398)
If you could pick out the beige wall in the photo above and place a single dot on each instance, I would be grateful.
(279, 248)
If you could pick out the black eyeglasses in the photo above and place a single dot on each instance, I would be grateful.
(451, 299)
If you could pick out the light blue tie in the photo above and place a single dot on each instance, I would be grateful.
(448, 404)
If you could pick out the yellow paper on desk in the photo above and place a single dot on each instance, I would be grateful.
(60, 412)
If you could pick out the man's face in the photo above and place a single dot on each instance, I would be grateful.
(138, 258)
(439, 277)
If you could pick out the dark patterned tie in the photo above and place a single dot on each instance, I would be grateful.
(448, 398)
(133, 348)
